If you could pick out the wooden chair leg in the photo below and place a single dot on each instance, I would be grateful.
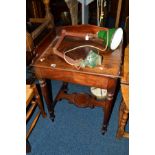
(28, 147)
(39, 102)
(126, 135)
(123, 117)
(120, 131)
(121, 109)
(33, 98)
(32, 125)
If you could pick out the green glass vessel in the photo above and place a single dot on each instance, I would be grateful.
(114, 37)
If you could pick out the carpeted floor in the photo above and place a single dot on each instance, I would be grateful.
(76, 131)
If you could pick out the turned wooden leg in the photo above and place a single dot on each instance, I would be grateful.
(38, 100)
(123, 117)
(107, 112)
(49, 102)
(28, 147)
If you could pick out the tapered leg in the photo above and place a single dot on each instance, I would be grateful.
(28, 147)
(107, 112)
(46, 95)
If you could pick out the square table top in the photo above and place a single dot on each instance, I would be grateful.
(110, 67)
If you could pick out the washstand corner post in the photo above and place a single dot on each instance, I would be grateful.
(48, 98)
(110, 100)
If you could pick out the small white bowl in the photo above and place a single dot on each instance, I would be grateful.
(98, 92)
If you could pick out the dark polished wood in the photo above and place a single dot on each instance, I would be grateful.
(50, 66)
(45, 93)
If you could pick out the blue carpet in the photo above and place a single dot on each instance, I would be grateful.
(76, 131)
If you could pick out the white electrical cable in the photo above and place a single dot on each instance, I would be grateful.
(85, 46)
